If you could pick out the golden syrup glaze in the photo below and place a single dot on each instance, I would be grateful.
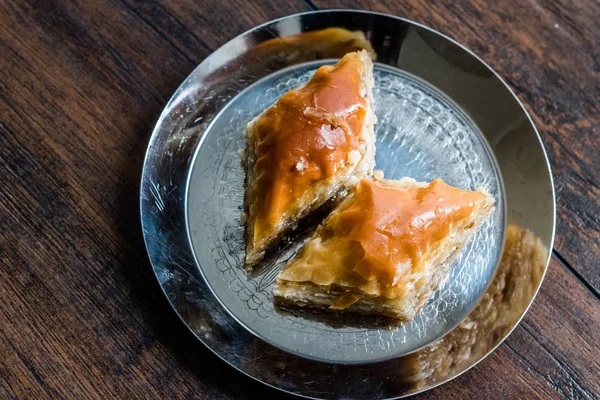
(396, 227)
(344, 301)
(306, 136)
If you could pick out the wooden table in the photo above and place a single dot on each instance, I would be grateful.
(82, 83)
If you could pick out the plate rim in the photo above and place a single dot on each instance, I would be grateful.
(211, 57)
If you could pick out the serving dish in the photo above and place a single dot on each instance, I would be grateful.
(442, 113)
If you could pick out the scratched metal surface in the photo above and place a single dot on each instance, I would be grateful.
(451, 84)
(420, 134)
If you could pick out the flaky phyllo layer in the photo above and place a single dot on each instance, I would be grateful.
(385, 248)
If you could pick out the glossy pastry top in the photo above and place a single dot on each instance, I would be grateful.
(396, 228)
(306, 136)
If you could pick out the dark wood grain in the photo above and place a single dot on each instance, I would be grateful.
(81, 84)
(549, 53)
(81, 315)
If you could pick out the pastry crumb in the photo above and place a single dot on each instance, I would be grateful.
(352, 181)
(354, 156)
(243, 218)
(378, 174)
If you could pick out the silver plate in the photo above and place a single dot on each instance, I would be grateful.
(442, 113)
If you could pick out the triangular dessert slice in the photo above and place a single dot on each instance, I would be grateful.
(385, 248)
(315, 143)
